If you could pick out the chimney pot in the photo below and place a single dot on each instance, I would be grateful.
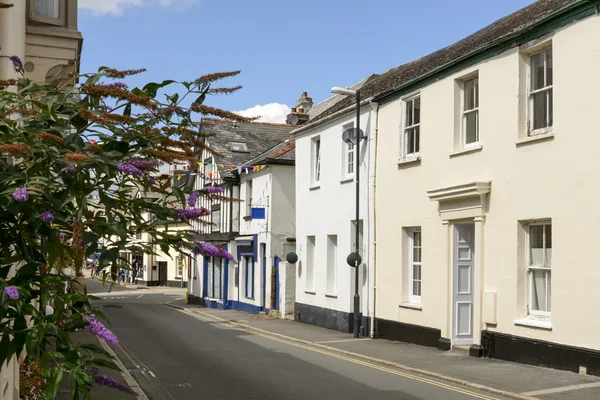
(293, 109)
(304, 94)
(301, 110)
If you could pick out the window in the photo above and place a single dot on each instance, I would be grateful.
(415, 267)
(347, 155)
(310, 263)
(411, 126)
(331, 263)
(316, 160)
(138, 235)
(180, 265)
(48, 11)
(249, 278)
(239, 147)
(248, 197)
(470, 112)
(539, 261)
(540, 90)
(215, 218)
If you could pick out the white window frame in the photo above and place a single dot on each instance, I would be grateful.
(310, 263)
(316, 147)
(332, 264)
(465, 112)
(180, 266)
(412, 298)
(404, 154)
(60, 21)
(348, 155)
(544, 267)
(530, 93)
(249, 197)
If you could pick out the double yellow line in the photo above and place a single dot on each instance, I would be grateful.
(359, 362)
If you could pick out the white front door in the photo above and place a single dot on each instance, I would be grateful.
(463, 265)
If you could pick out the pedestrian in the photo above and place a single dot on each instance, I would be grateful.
(134, 273)
(127, 276)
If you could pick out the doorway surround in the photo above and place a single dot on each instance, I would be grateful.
(458, 205)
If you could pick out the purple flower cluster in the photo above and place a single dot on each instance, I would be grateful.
(129, 169)
(192, 213)
(109, 382)
(143, 165)
(47, 217)
(72, 169)
(211, 250)
(17, 63)
(98, 329)
(21, 194)
(213, 189)
(12, 292)
(193, 198)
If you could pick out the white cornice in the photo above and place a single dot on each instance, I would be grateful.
(472, 189)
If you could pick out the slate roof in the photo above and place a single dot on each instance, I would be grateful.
(282, 153)
(258, 136)
(330, 102)
(514, 23)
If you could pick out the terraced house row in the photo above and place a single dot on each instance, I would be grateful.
(479, 172)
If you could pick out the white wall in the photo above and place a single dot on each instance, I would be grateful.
(554, 178)
(329, 210)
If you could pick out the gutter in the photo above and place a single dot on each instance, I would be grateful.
(389, 93)
(331, 117)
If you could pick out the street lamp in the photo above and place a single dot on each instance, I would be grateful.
(355, 137)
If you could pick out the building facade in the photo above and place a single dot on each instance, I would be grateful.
(44, 35)
(326, 216)
(483, 233)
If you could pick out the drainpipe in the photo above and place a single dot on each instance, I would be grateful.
(373, 250)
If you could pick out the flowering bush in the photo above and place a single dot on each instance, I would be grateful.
(77, 165)
(32, 382)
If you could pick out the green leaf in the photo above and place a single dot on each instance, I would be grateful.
(52, 383)
(127, 110)
(152, 88)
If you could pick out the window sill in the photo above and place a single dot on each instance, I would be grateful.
(331, 295)
(347, 179)
(314, 187)
(312, 291)
(535, 322)
(412, 306)
(409, 160)
(250, 298)
(535, 138)
(468, 150)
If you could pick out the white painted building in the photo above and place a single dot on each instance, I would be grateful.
(251, 219)
(325, 210)
(487, 171)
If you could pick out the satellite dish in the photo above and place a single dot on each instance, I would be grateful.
(349, 135)
(292, 119)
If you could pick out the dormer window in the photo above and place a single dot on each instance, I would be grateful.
(48, 11)
(239, 147)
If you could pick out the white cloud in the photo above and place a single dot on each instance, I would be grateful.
(117, 7)
(272, 112)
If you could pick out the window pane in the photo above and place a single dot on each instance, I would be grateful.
(417, 254)
(476, 90)
(469, 95)
(417, 106)
(47, 8)
(416, 272)
(471, 128)
(549, 288)
(537, 71)
(416, 288)
(548, 67)
(417, 238)
(540, 110)
(417, 139)
(550, 107)
(409, 113)
(548, 244)
(540, 288)
(536, 245)
(410, 141)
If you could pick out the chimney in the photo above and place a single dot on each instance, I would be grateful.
(304, 102)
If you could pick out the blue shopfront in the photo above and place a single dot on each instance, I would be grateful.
(216, 277)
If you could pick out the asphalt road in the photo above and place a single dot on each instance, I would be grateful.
(175, 356)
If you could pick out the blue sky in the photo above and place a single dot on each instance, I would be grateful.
(282, 47)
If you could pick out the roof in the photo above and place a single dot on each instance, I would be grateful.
(282, 153)
(258, 136)
(503, 28)
(330, 102)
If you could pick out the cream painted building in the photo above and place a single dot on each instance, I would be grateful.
(487, 172)
(44, 35)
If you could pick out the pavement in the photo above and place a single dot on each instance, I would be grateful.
(178, 351)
